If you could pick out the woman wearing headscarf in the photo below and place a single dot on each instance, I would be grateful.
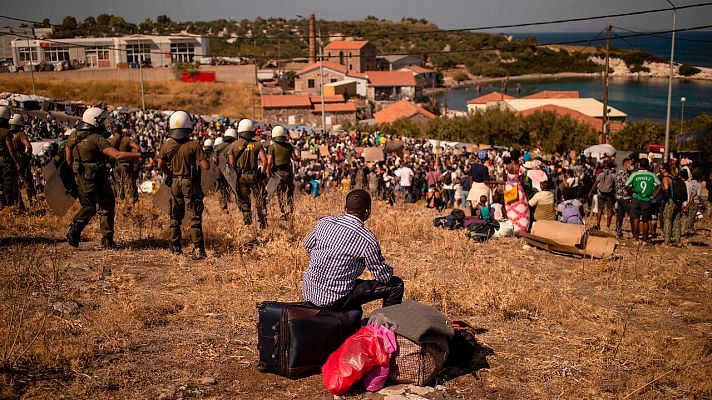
(480, 177)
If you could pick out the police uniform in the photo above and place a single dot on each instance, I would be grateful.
(25, 166)
(8, 169)
(91, 173)
(125, 171)
(223, 188)
(246, 153)
(182, 157)
(281, 152)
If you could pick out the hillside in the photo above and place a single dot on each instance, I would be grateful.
(276, 38)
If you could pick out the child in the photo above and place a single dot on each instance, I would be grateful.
(434, 198)
(458, 193)
(482, 211)
(570, 209)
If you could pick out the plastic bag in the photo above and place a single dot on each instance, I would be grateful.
(376, 378)
(360, 353)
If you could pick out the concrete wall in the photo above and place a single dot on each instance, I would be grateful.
(305, 117)
(224, 73)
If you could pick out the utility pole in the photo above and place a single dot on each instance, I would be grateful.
(669, 100)
(321, 82)
(604, 126)
(140, 71)
(32, 67)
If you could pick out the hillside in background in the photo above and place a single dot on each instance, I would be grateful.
(482, 54)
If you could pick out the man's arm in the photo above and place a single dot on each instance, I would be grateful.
(265, 164)
(28, 146)
(310, 241)
(120, 155)
(13, 153)
(376, 264)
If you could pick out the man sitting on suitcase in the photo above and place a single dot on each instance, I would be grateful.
(340, 248)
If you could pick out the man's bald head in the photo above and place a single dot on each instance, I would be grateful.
(358, 203)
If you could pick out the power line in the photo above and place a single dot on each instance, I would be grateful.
(421, 53)
(666, 37)
(480, 28)
(535, 88)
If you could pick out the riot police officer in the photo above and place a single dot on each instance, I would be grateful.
(219, 148)
(279, 160)
(9, 162)
(23, 148)
(243, 157)
(125, 172)
(87, 151)
(178, 159)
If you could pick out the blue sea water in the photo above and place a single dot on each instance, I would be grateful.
(640, 98)
(693, 47)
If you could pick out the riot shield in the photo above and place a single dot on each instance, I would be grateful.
(229, 174)
(162, 199)
(272, 185)
(60, 189)
(208, 178)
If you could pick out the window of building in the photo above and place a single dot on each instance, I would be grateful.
(182, 52)
(26, 52)
(138, 52)
(341, 57)
(334, 80)
(351, 67)
(56, 54)
(310, 83)
(101, 52)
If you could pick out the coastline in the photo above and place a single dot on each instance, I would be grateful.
(450, 84)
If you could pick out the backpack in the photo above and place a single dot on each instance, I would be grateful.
(449, 222)
(607, 184)
(571, 214)
(447, 178)
(463, 345)
(481, 232)
(679, 191)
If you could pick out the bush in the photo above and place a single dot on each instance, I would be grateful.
(639, 68)
(460, 76)
(689, 70)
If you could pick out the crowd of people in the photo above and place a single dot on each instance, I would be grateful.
(520, 186)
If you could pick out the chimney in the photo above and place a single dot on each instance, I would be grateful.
(312, 39)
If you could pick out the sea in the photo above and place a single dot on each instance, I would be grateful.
(640, 98)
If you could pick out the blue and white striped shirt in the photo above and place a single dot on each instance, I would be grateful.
(340, 248)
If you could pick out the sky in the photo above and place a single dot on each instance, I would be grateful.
(446, 13)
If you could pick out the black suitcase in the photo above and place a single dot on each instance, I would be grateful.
(295, 339)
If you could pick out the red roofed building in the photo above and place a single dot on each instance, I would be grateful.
(391, 85)
(423, 76)
(595, 123)
(480, 103)
(403, 109)
(355, 55)
(554, 94)
(308, 81)
(306, 110)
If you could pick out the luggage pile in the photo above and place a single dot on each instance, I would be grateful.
(407, 343)
(479, 230)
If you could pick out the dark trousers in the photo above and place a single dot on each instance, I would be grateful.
(96, 196)
(622, 210)
(366, 291)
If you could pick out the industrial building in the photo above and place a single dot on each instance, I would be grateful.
(111, 52)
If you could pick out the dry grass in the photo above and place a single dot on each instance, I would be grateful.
(150, 324)
(230, 99)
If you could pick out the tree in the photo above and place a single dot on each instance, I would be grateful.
(459, 77)
(163, 20)
(103, 19)
(689, 70)
(636, 135)
(69, 22)
(89, 21)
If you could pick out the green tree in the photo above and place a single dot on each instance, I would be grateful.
(636, 135)
(69, 22)
(103, 19)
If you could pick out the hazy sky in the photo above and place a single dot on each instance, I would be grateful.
(446, 13)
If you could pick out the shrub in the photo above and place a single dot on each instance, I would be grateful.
(689, 70)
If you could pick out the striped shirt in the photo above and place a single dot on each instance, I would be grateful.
(340, 248)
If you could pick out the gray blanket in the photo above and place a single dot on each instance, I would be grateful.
(418, 322)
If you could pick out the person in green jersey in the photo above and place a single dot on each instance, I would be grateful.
(645, 186)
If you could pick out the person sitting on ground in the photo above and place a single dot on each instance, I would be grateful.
(571, 209)
(543, 204)
(482, 211)
(340, 248)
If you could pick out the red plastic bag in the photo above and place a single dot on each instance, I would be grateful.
(359, 354)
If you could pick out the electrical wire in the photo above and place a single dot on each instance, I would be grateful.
(666, 37)
(422, 53)
(480, 28)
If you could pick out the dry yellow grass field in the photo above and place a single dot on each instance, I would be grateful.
(142, 323)
(229, 99)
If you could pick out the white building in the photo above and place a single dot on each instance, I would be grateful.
(112, 52)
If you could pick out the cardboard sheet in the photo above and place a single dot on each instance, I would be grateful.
(371, 154)
(560, 233)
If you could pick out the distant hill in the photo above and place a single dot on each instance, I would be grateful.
(277, 38)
